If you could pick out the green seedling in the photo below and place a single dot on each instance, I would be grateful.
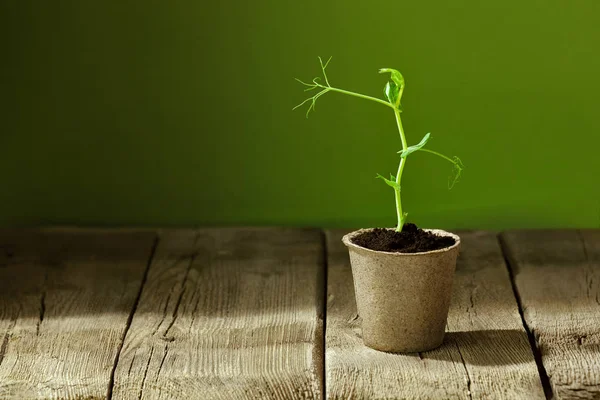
(393, 91)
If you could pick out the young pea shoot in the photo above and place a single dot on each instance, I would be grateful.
(393, 91)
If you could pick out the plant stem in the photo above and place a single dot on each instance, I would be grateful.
(396, 108)
(397, 190)
(438, 154)
(362, 96)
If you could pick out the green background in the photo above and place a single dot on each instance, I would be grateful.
(179, 112)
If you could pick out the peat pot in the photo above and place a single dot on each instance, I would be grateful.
(403, 298)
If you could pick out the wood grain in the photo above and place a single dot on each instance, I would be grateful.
(557, 275)
(485, 355)
(65, 301)
(228, 314)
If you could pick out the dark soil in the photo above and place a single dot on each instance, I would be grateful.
(411, 240)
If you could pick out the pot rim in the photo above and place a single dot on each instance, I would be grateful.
(347, 240)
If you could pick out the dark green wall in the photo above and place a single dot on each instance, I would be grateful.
(179, 112)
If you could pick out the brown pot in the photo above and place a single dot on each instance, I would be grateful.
(403, 298)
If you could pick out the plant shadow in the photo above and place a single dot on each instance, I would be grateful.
(495, 347)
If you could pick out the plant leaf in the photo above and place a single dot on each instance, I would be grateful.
(396, 76)
(390, 182)
(391, 91)
(419, 146)
(394, 87)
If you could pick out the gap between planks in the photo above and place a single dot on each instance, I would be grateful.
(323, 278)
(530, 335)
(111, 382)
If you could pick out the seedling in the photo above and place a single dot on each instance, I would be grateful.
(393, 91)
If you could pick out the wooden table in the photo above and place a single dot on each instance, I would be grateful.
(253, 313)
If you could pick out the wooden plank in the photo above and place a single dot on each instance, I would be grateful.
(65, 304)
(557, 276)
(485, 355)
(228, 314)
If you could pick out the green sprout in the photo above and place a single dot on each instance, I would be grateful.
(393, 91)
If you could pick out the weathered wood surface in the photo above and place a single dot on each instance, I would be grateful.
(485, 355)
(557, 276)
(65, 303)
(228, 314)
(238, 313)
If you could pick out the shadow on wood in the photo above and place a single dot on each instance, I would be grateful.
(480, 345)
(82, 264)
